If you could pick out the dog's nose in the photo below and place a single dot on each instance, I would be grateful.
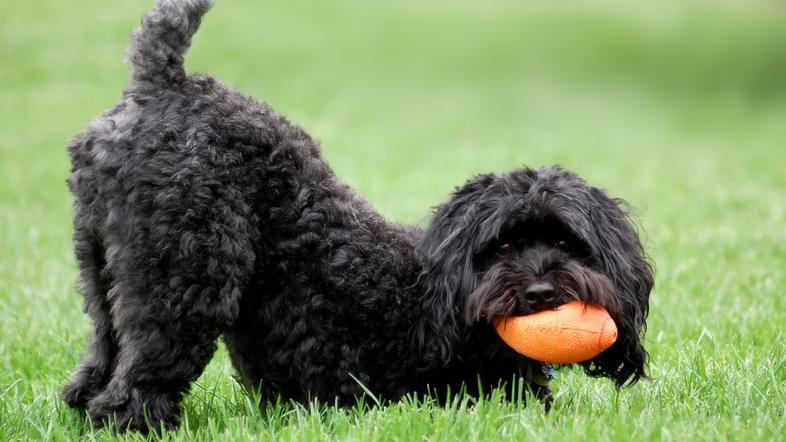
(539, 293)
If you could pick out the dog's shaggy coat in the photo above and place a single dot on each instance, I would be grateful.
(201, 213)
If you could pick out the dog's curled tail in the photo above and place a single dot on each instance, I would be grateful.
(159, 43)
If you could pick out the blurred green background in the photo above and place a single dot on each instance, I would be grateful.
(677, 106)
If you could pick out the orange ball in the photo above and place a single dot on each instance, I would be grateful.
(573, 332)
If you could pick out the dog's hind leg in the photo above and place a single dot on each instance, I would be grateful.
(177, 287)
(158, 360)
(92, 375)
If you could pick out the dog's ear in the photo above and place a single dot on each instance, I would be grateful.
(618, 252)
(459, 230)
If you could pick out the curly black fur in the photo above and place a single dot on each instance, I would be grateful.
(201, 213)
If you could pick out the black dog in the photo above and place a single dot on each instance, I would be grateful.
(201, 213)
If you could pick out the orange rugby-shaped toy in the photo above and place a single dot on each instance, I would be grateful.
(573, 332)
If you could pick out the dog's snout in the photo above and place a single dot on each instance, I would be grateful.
(538, 293)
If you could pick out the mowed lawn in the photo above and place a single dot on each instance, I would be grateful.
(679, 107)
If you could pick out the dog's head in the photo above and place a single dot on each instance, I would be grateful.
(526, 241)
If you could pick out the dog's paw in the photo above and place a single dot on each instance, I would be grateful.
(86, 384)
(76, 394)
(132, 408)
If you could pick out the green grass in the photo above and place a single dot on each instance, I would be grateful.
(678, 107)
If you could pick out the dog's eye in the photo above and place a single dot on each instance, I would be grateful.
(561, 244)
(504, 249)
